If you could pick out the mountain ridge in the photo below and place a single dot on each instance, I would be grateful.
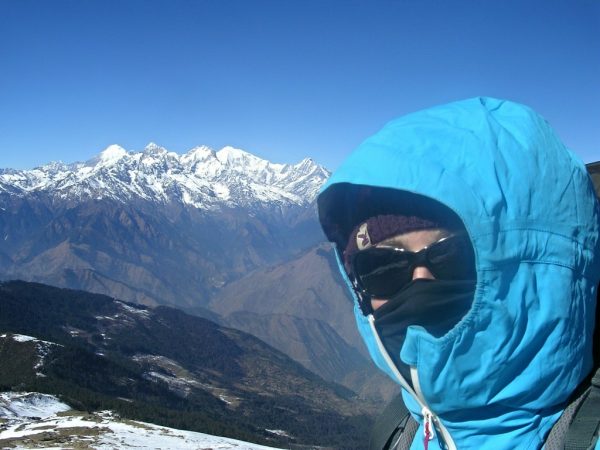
(201, 178)
(164, 366)
(159, 250)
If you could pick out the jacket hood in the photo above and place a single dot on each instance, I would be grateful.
(529, 207)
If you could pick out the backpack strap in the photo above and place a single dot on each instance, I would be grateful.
(578, 426)
(558, 434)
(395, 428)
(585, 429)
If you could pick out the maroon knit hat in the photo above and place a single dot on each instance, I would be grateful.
(379, 228)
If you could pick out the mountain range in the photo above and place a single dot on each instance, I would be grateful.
(155, 227)
(220, 234)
(202, 178)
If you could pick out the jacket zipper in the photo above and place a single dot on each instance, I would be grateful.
(431, 421)
(427, 414)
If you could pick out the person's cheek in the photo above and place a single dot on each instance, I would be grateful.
(376, 303)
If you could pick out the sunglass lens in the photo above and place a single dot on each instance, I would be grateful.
(452, 259)
(382, 271)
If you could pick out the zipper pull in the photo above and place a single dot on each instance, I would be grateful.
(427, 427)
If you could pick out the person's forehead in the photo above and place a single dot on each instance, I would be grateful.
(419, 238)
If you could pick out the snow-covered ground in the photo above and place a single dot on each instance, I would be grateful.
(17, 406)
(32, 420)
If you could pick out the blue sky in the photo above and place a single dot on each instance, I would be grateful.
(282, 79)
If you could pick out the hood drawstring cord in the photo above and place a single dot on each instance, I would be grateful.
(427, 429)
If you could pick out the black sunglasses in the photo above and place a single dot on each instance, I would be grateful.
(381, 272)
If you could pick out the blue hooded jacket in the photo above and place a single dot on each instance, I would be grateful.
(501, 377)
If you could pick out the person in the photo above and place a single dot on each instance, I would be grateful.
(468, 236)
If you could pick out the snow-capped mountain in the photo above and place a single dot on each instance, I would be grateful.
(199, 219)
(202, 178)
(159, 228)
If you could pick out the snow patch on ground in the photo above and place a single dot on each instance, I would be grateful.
(102, 430)
(22, 338)
(279, 433)
(136, 311)
(27, 404)
(42, 347)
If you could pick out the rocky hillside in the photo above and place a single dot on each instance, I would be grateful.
(155, 227)
(164, 366)
(214, 233)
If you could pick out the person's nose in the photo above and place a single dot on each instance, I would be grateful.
(422, 272)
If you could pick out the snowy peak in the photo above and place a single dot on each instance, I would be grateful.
(154, 149)
(107, 157)
(236, 157)
(111, 154)
(201, 153)
(307, 166)
(306, 162)
(200, 178)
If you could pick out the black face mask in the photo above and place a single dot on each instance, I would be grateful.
(436, 305)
